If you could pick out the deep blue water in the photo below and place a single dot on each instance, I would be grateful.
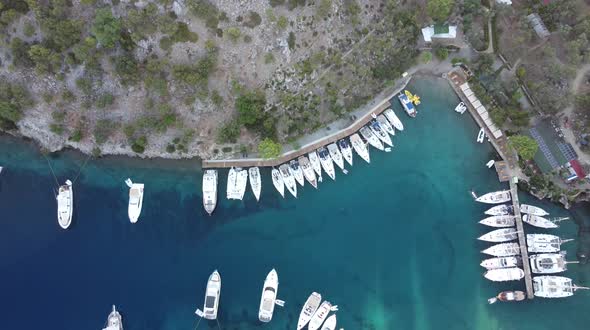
(392, 243)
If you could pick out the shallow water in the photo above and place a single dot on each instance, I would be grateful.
(392, 243)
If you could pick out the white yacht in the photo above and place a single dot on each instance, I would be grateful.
(481, 135)
(385, 125)
(380, 132)
(504, 274)
(501, 262)
(360, 147)
(346, 150)
(532, 210)
(503, 209)
(212, 295)
(210, 190)
(296, 171)
(500, 235)
(503, 250)
(461, 108)
(237, 180)
(495, 197)
(373, 140)
(255, 181)
(548, 263)
(308, 171)
(268, 300)
(321, 315)
(114, 321)
(277, 181)
(65, 204)
(315, 163)
(327, 163)
(135, 200)
(499, 221)
(538, 221)
(336, 155)
(407, 105)
(542, 243)
(309, 309)
(394, 119)
(288, 179)
(554, 286)
(490, 163)
(330, 323)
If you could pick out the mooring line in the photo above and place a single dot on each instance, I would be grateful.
(51, 169)
(81, 168)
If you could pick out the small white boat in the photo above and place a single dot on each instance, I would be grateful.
(503, 250)
(549, 263)
(385, 125)
(346, 150)
(321, 315)
(268, 300)
(1, 169)
(297, 172)
(308, 171)
(503, 209)
(315, 163)
(499, 221)
(255, 181)
(65, 204)
(114, 321)
(543, 243)
(504, 274)
(330, 323)
(380, 133)
(554, 286)
(537, 221)
(373, 140)
(481, 135)
(135, 200)
(360, 147)
(495, 197)
(461, 107)
(508, 296)
(500, 235)
(533, 210)
(288, 179)
(394, 119)
(501, 262)
(407, 105)
(490, 163)
(336, 155)
(212, 295)
(309, 309)
(327, 163)
(210, 190)
(237, 180)
(277, 181)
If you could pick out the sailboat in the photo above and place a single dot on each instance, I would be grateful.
(500, 235)
(330, 323)
(499, 221)
(360, 147)
(394, 119)
(212, 295)
(327, 163)
(346, 150)
(385, 124)
(336, 155)
(533, 210)
(277, 181)
(373, 140)
(315, 163)
(380, 133)
(554, 286)
(499, 210)
(549, 263)
(501, 262)
(495, 197)
(65, 204)
(114, 321)
(542, 243)
(296, 171)
(508, 296)
(288, 179)
(309, 309)
(503, 250)
(268, 300)
(538, 221)
(255, 181)
(308, 171)
(320, 315)
(210, 190)
(481, 135)
(237, 179)
(504, 274)
(135, 200)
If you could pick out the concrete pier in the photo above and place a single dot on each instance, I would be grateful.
(522, 241)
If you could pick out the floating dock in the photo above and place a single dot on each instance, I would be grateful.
(528, 281)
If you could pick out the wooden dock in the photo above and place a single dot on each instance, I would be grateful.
(528, 281)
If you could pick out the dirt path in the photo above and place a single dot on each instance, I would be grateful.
(568, 133)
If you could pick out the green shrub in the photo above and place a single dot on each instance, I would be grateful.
(250, 107)
(106, 28)
(282, 22)
(269, 149)
(216, 98)
(233, 33)
(253, 20)
(269, 58)
(441, 53)
(206, 11)
(29, 29)
(13, 100)
(291, 41)
(170, 148)
(20, 53)
(84, 84)
(139, 145)
(229, 132)
(56, 128)
(105, 100)
(103, 130)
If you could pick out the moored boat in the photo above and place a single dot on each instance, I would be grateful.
(481, 135)
(237, 180)
(336, 155)
(394, 119)
(504, 274)
(360, 147)
(65, 204)
(255, 181)
(288, 179)
(501, 262)
(327, 163)
(330, 323)
(346, 150)
(503, 250)
(385, 124)
(508, 296)
(297, 172)
(500, 235)
(538, 221)
(548, 263)
(373, 140)
(499, 210)
(315, 163)
(212, 294)
(554, 286)
(268, 300)
(308, 171)
(499, 221)
(135, 200)
(380, 133)
(542, 243)
(533, 210)
(309, 308)
(495, 197)
(407, 104)
(114, 321)
(461, 107)
(320, 315)
(277, 181)
(210, 190)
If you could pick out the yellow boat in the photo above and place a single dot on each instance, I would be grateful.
(414, 98)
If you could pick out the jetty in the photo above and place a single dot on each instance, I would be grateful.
(528, 281)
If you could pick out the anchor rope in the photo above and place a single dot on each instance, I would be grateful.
(81, 168)
(51, 169)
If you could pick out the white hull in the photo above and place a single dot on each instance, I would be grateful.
(394, 119)
(346, 150)
(135, 201)
(237, 180)
(500, 235)
(373, 140)
(503, 250)
(277, 181)
(114, 321)
(255, 181)
(553, 286)
(533, 210)
(320, 315)
(499, 210)
(288, 179)
(380, 133)
(538, 221)
(65, 205)
(297, 172)
(385, 125)
(308, 171)
(548, 263)
(504, 274)
(460, 108)
(327, 163)
(501, 262)
(212, 295)
(499, 221)
(309, 309)
(315, 163)
(495, 197)
(360, 147)
(407, 105)
(210, 190)
(481, 135)
(269, 296)
(336, 155)
(330, 323)
(542, 243)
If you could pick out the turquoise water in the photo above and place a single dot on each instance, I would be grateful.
(392, 243)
